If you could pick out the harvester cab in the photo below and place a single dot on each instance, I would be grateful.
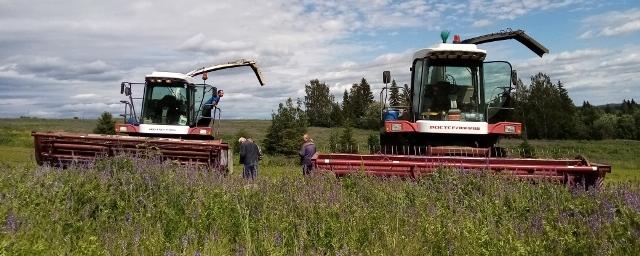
(175, 104)
(456, 99)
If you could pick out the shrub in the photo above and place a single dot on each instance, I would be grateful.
(106, 124)
(334, 141)
(526, 150)
(347, 142)
(374, 143)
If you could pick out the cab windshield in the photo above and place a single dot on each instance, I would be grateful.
(166, 104)
(446, 91)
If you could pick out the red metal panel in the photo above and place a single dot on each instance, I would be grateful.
(126, 128)
(198, 130)
(500, 128)
(404, 126)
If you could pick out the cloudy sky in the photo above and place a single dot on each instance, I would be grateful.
(67, 58)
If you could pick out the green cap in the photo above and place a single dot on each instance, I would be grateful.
(444, 35)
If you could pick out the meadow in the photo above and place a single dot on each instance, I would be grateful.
(144, 206)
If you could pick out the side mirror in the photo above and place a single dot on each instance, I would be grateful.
(386, 77)
(514, 77)
(127, 91)
(122, 88)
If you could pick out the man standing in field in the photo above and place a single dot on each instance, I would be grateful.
(306, 153)
(249, 156)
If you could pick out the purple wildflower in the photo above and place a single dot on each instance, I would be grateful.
(12, 223)
(632, 200)
(278, 239)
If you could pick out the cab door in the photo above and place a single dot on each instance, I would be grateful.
(497, 88)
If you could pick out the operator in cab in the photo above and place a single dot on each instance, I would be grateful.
(208, 106)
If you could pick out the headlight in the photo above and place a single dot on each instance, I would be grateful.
(396, 127)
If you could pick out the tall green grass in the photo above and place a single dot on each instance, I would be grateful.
(143, 206)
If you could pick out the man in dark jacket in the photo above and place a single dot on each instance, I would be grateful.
(306, 153)
(249, 154)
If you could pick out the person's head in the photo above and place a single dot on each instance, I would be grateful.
(220, 93)
(306, 137)
(242, 140)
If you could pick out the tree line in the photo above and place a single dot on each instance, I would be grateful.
(547, 112)
(319, 108)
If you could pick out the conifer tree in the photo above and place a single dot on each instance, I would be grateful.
(106, 124)
(360, 98)
(347, 142)
(287, 127)
(336, 116)
(347, 113)
(405, 96)
(394, 94)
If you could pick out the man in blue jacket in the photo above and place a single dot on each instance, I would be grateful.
(307, 151)
(208, 106)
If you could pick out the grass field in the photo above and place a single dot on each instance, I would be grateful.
(144, 206)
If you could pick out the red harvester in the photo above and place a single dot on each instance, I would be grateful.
(457, 112)
(171, 125)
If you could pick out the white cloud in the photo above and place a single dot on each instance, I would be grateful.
(596, 75)
(199, 43)
(60, 53)
(511, 9)
(84, 96)
(612, 23)
(481, 23)
(623, 29)
(62, 69)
